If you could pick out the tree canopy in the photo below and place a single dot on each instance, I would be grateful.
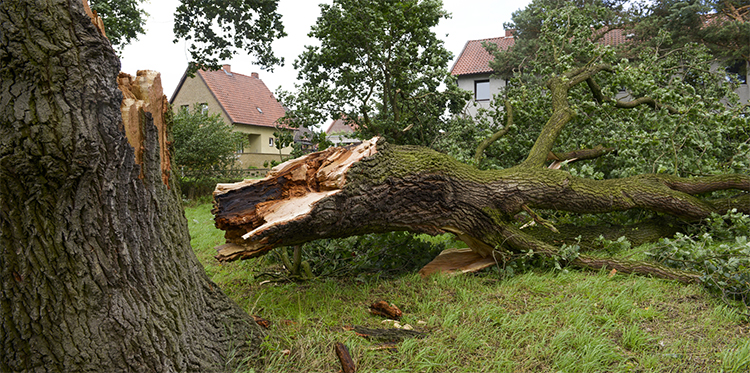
(215, 30)
(380, 67)
(657, 109)
(721, 25)
(123, 20)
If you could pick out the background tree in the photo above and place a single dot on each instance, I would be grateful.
(96, 266)
(122, 19)
(215, 31)
(205, 150)
(379, 66)
(721, 25)
(203, 141)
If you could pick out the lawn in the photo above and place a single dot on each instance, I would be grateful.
(538, 321)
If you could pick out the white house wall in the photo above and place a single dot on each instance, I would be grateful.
(466, 82)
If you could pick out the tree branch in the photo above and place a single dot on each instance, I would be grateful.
(645, 101)
(600, 98)
(521, 241)
(497, 135)
(577, 155)
(377, 187)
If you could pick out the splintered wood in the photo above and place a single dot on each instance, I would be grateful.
(289, 192)
(144, 94)
(457, 261)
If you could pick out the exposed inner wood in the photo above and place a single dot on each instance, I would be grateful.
(457, 261)
(287, 193)
(144, 94)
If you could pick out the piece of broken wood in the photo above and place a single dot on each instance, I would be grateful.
(261, 321)
(347, 364)
(387, 335)
(382, 308)
(452, 261)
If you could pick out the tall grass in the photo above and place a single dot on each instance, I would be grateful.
(539, 321)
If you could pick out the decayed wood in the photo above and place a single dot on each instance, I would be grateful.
(347, 364)
(261, 321)
(95, 19)
(382, 308)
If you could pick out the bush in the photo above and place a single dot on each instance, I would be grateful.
(203, 142)
(387, 254)
(719, 249)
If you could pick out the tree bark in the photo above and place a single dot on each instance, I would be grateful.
(97, 271)
(378, 187)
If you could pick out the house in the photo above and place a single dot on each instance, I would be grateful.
(341, 134)
(244, 101)
(473, 72)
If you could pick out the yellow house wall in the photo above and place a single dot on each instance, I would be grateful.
(194, 91)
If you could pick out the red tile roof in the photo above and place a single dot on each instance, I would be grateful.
(474, 59)
(245, 99)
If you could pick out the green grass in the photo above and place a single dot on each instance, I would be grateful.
(543, 321)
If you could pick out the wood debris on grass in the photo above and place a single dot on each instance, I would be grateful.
(382, 308)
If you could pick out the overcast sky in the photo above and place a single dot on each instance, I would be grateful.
(471, 19)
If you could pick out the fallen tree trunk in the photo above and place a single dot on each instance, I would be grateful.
(377, 187)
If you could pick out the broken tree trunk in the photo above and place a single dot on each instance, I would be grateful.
(377, 187)
(97, 270)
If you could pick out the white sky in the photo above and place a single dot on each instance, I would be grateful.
(471, 19)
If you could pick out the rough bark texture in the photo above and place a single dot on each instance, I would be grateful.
(97, 271)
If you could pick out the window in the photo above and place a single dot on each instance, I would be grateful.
(185, 107)
(481, 90)
(270, 141)
(204, 107)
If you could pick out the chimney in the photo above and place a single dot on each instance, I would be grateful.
(227, 68)
(254, 75)
(509, 33)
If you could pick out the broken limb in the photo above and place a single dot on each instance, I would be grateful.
(377, 187)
